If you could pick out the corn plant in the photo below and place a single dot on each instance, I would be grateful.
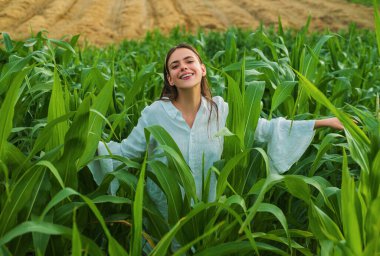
(59, 99)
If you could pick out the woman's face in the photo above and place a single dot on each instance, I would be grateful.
(185, 69)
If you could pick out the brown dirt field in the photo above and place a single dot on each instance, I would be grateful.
(102, 22)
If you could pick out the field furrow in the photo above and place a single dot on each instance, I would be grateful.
(103, 22)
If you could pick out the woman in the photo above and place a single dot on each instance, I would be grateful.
(188, 112)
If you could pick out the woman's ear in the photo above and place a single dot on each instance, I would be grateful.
(203, 68)
(170, 80)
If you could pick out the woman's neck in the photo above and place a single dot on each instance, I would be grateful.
(188, 103)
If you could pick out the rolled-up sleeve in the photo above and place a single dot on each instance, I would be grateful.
(286, 141)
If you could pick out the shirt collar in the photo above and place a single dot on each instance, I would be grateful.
(173, 111)
(170, 109)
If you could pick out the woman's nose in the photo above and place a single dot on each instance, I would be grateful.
(183, 66)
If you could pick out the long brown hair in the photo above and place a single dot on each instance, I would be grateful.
(171, 93)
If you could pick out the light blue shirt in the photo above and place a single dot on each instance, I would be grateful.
(286, 141)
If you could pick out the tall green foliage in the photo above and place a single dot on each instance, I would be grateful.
(58, 100)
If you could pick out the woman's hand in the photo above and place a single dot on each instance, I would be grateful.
(332, 122)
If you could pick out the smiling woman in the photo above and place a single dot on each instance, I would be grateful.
(194, 119)
(68, 98)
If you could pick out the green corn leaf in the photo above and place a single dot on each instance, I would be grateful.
(187, 247)
(308, 67)
(252, 109)
(138, 209)
(13, 157)
(183, 172)
(322, 226)
(114, 248)
(225, 172)
(175, 157)
(358, 141)
(270, 181)
(372, 228)
(325, 145)
(57, 109)
(21, 192)
(277, 212)
(76, 244)
(44, 136)
(7, 42)
(63, 45)
(74, 145)
(351, 221)
(50, 229)
(41, 240)
(145, 72)
(7, 109)
(14, 67)
(100, 104)
(171, 189)
(240, 248)
(163, 245)
(282, 92)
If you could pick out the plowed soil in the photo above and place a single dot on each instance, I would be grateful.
(102, 22)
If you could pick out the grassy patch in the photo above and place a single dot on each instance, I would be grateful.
(364, 2)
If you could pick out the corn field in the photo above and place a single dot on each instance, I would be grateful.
(58, 99)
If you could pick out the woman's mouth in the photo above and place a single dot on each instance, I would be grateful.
(186, 76)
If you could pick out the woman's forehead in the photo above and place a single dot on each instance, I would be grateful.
(181, 53)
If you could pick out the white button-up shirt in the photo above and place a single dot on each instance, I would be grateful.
(286, 141)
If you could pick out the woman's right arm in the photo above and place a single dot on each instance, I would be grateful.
(131, 147)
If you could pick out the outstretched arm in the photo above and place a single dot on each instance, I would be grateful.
(332, 122)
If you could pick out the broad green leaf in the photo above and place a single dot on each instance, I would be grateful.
(57, 109)
(174, 155)
(323, 148)
(270, 181)
(252, 109)
(351, 221)
(138, 208)
(43, 138)
(137, 86)
(282, 92)
(74, 145)
(240, 248)
(13, 67)
(100, 104)
(297, 187)
(323, 226)
(21, 193)
(225, 172)
(171, 189)
(63, 45)
(358, 141)
(187, 247)
(41, 240)
(48, 228)
(162, 247)
(114, 248)
(76, 247)
(277, 212)
(7, 109)
(7, 42)
(53, 170)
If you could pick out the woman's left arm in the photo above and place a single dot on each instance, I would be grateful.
(332, 122)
